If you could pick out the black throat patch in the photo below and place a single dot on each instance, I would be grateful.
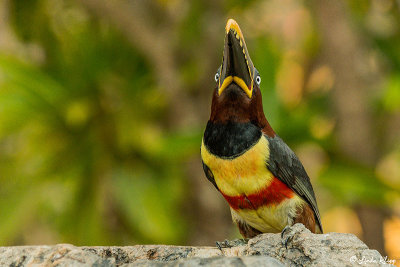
(231, 139)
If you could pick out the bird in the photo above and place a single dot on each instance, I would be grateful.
(261, 178)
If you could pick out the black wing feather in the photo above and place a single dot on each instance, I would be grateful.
(284, 165)
(209, 175)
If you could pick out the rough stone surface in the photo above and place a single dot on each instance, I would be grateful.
(303, 249)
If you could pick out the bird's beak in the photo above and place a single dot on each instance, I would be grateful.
(236, 66)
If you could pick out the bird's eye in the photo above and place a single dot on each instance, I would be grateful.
(258, 79)
(216, 77)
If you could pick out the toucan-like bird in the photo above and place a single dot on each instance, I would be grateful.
(260, 177)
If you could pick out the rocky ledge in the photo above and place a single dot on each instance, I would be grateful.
(303, 249)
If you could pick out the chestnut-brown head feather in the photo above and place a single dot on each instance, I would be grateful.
(235, 106)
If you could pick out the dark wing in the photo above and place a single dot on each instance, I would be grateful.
(285, 166)
(209, 175)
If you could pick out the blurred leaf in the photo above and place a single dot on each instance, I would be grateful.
(352, 184)
(29, 80)
(391, 99)
(150, 204)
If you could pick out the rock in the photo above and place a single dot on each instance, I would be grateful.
(259, 261)
(307, 249)
(58, 255)
(303, 249)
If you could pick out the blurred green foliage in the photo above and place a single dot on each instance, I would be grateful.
(87, 154)
(81, 135)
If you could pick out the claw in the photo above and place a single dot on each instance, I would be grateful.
(233, 243)
(222, 244)
(286, 240)
(287, 227)
(218, 245)
(239, 242)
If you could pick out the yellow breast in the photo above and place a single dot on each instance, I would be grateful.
(271, 218)
(245, 174)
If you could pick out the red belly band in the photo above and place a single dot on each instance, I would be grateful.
(272, 194)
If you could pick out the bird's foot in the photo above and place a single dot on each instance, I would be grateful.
(289, 236)
(231, 243)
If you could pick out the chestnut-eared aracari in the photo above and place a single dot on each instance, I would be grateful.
(260, 177)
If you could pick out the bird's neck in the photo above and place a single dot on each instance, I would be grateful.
(235, 108)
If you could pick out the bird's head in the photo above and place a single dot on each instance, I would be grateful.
(237, 97)
(237, 66)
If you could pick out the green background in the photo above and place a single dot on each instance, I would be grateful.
(103, 105)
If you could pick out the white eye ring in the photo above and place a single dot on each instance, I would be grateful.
(258, 79)
(216, 77)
